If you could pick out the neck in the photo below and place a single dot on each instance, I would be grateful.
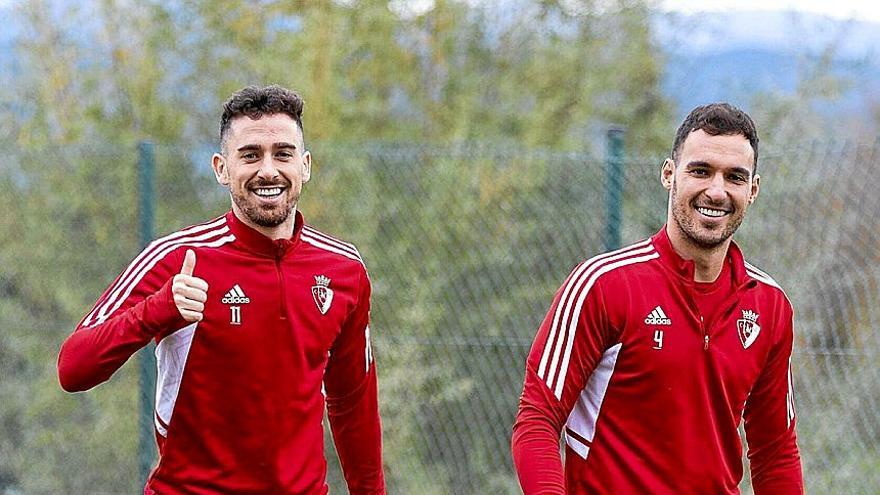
(708, 261)
(284, 230)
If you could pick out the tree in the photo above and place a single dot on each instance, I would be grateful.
(452, 233)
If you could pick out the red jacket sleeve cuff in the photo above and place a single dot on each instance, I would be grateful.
(159, 311)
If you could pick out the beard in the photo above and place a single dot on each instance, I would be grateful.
(265, 215)
(704, 235)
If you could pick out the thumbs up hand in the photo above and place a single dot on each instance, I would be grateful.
(190, 293)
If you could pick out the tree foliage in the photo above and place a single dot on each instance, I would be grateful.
(466, 233)
(97, 77)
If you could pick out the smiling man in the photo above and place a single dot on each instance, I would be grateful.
(652, 355)
(260, 321)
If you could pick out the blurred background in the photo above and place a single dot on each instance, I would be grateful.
(464, 146)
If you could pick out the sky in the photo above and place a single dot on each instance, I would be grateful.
(841, 9)
(863, 10)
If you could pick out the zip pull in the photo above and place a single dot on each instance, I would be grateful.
(705, 335)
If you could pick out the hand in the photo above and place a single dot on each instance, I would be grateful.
(190, 293)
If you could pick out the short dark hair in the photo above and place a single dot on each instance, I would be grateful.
(717, 119)
(256, 101)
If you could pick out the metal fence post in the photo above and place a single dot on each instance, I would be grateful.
(614, 187)
(147, 361)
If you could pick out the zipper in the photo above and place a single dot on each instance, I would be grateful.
(279, 253)
(705, 334)
(722, 315)
(685, 292)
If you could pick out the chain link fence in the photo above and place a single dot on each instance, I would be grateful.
(815, 229)
(465, 245)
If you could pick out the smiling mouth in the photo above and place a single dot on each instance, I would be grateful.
(712, 212)
(268, 192)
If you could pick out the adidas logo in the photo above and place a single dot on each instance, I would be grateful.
(235, 296)
(657, 317)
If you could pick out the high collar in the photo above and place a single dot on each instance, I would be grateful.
(685, 268)
(258, 243)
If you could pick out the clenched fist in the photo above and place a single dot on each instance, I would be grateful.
(190, 293)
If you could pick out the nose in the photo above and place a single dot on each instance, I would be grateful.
(716, 192)
(267, 167)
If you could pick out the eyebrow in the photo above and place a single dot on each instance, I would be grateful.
(700, 163)
(248, 147)
(255, 147)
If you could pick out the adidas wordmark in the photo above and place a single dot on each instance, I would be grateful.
(657, 317)
(235, 296)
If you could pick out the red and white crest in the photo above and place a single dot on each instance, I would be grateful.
(748, 328)
(322, 293)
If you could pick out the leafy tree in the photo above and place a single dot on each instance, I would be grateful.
(455, 235)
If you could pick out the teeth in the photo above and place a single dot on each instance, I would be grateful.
(271, 191)
(711, 213)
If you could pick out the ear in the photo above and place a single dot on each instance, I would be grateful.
(756, 187)
(667, 173)
(221, 170)
(307, 166)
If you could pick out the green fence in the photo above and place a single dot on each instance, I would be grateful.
(465, 245)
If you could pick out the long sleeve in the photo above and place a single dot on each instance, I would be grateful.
(136, 307)
(770, 423)
(566, 349)
(352, 401)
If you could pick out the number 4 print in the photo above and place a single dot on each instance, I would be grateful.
(658, 338)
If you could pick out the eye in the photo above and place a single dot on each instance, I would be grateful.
(738, 178)
(284, 155)
(250, 156)
(699, 172)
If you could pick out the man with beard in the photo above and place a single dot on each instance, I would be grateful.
(650, 355)
(260, 320)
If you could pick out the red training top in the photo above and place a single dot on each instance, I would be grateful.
(648, 393)
(239, 398)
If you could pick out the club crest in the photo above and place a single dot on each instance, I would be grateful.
(322, 293)
(748, 328)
